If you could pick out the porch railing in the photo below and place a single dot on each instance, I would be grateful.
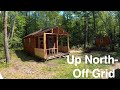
(51, 51)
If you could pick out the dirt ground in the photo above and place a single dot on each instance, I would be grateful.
(27, 69)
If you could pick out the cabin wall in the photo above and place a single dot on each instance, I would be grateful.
(63, 49)
(105, 41)
(29, 44)
(36, 42)
(39, 52)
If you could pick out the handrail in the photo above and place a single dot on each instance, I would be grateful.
(51, 48)
(51, 51)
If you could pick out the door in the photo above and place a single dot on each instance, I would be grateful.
(50, 42)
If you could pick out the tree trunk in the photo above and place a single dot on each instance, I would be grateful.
(7, 55)
(94, 27)
(12, 31)
(35, 21)
(114, 42)
(13, 26)
(119, 35)
(45, 17)
(9, 33)
(119, 32)
(67, 22)
(94, 24)
(105, 25)
(26, 26)
(119, 27)
(86, 30)
(94, 21)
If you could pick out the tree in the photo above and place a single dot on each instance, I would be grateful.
(6, 37)
(86, 29)
(12, 26)
(94, 23)
(118, 16)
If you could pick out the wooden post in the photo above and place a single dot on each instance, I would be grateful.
(57, 43)
(62, 41)
(52, 30)
(45, 54)
(58, 30)
(49, 51)
(34, 41)
(38, 42)
(68, 42)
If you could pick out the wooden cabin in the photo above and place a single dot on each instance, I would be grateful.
(47, 43)
(102, 41)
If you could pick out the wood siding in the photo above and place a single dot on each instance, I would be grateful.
(39, 52)
(64, 49)
(29, 46)
(105, 41)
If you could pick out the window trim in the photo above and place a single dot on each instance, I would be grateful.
(41, 40)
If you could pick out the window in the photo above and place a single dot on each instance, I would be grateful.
(50, 42)
(41, 41)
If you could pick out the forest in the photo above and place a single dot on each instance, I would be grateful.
(83, 26)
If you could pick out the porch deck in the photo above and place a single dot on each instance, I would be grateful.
(59, 55)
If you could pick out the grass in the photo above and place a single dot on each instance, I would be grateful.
(2, 55)
(2, 65)
(25, 66)
(65, 71)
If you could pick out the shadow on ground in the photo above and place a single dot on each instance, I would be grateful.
(24, 56)
(117, 74)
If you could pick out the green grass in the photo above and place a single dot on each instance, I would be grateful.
(4, 65)
(65, 71)
(2, 55)
(56, 68)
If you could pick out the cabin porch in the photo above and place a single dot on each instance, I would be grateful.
(49, 46)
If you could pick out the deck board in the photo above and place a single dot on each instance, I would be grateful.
(59, 55)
